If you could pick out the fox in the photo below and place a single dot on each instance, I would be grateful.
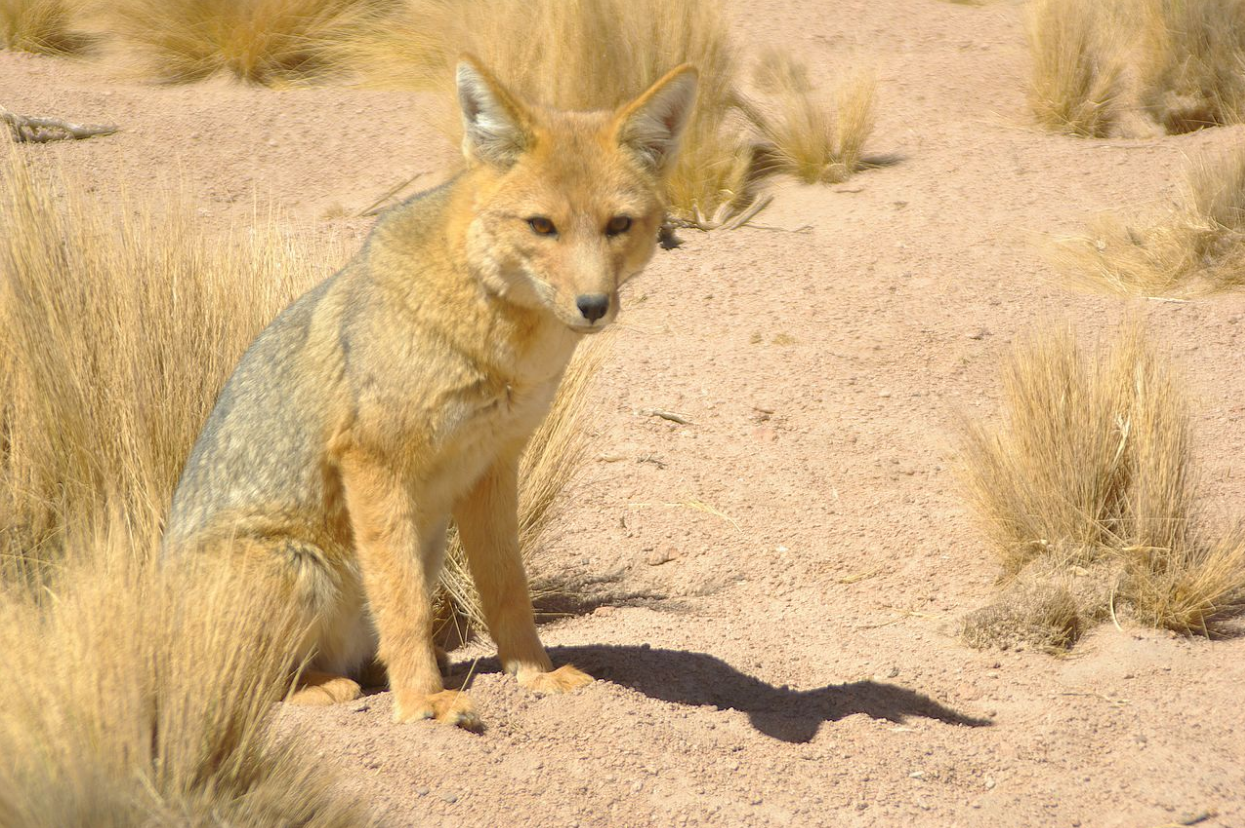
(400, 393)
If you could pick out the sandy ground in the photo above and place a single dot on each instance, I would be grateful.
(786, 656)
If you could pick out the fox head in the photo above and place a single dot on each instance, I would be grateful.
(567, 204)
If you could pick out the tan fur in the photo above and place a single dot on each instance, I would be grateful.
(402, 391)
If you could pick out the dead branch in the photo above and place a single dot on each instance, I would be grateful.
(724, 219)
(27, 129)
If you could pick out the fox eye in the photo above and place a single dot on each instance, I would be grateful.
(542, 226)
(618, 225)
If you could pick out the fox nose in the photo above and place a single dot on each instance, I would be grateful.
(593, 305)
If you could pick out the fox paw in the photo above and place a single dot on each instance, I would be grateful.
(449, 707)
(562, 680)
(318, 690)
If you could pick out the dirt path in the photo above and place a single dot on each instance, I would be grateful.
(769, 592)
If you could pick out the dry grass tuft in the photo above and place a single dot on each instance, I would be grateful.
(41, 26)
(1193, 69)
(1091, 477)
(1075, 85)
(133, 696)
(554, 456)
(1135, 68)
(259, 41)
(815, 140)
(1198, 248)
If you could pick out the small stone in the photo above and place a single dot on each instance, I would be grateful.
(884, 394)
(422, 791)
(892, 672)
(448, 798)
(660, 556)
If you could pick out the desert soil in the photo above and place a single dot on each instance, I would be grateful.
(769, 593)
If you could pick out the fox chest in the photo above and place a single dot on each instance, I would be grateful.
(479, 431)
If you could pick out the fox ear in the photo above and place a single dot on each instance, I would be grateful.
(495, 125)
(651, 125)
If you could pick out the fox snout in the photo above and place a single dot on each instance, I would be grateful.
(593, 306)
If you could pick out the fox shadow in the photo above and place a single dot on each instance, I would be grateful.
(701, 680)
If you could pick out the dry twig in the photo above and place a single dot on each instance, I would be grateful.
(26, 129)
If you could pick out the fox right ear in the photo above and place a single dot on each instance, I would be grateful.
(495, 125)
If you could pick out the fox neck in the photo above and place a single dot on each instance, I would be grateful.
(518, 335)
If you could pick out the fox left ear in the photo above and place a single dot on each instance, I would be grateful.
(652, 124)
(495, 125)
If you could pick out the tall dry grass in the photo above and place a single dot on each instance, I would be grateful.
(1192, 67)
(1087, 494)
(41, 26)
(135, 695)
(1133, 68)
(118, 332)
(260, 41)
(1195, 248)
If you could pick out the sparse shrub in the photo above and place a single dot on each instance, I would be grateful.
(1197, 247)
(1086, 492)
(260, 41)
(40, 26)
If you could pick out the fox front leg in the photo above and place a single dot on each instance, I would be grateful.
(488, 526)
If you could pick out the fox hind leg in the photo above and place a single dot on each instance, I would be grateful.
(316, 689)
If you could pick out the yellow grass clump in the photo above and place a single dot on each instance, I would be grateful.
(1076, 75)
(128, 702)
(807, 136)
(136, 694)
(40, 26)
(1135, 68)
(1087, 494)
(1196, 248)
(260, 41)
